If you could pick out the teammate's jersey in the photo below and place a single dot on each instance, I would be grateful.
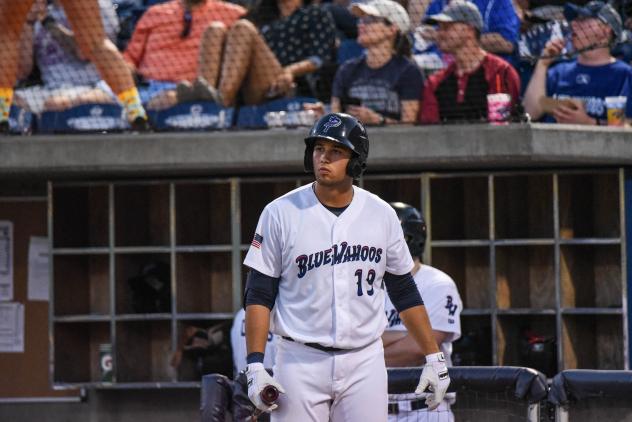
(443, 305)
(238, 344)
(331, 269)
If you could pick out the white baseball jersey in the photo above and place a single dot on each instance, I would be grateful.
(238, 344)
(331, 268)
(443, 305)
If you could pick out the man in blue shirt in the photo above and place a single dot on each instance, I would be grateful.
(586, 80)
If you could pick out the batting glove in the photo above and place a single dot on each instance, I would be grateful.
(435, 377)
(258, 378)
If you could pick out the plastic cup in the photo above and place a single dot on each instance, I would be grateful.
(615, 107)
(498, 108)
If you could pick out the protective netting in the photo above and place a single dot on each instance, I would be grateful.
(472, 406)
(594, 409)
(210, 64)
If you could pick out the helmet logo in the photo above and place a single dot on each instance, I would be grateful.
(334, 121)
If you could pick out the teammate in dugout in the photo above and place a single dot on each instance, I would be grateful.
(443, 304)
(321, 260)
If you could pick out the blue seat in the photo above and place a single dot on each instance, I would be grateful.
(20, 120)
(84, 118)
(202, 115)
(252, 117)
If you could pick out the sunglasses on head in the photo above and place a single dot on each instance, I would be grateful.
(368, 19)
(187, 20)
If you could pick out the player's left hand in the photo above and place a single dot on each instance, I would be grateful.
(435, 377)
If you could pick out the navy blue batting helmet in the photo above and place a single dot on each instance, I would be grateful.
(343, 129)
(413, 225)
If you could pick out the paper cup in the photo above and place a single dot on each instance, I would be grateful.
(615, 107)
(498, 108)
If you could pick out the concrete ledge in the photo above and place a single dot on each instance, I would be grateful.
(405, 148)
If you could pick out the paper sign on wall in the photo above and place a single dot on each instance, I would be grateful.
(6, 260)
(39, 271)
(11, 327)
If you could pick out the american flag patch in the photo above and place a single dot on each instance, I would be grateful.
(257, 241)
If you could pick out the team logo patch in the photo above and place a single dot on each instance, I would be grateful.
(257, 241)
(334, 121)
(582, 79)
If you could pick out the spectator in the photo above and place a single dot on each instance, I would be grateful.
(267, 54)
(165, 46)
(589, 78)
(499, 30)
(68, 80)
(382, 86)
(92, 43)
(539, 25)
(459, 92)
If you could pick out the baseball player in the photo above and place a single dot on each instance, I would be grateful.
(443, 304)
(238, 344)
(322, 258)
(85, 19)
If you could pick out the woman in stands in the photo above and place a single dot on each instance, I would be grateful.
(267, 54)
(382, 86)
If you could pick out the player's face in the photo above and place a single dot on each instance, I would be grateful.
(330, 162)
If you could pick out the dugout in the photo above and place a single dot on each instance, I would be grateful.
(530, 221)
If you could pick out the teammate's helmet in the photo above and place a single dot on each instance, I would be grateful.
(346, 130)
(414, 227)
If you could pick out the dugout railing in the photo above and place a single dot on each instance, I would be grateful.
(483, 394)
(584, 395)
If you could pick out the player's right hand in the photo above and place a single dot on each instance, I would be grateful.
(435, 377)
(258, 378)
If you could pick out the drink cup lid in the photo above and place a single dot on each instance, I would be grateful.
(499, 97)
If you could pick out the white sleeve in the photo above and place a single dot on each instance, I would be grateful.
(238, 342)
(443, 305)
(398, 259)
(264, 254)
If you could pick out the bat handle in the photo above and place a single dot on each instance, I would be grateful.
(269, 395)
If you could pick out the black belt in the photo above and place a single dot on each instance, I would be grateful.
(393, 408)
(317, 346)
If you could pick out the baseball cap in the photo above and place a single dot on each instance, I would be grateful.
(459, 11)
(596, 9)
(387, 9)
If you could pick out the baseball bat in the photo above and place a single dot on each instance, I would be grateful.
(269, 395)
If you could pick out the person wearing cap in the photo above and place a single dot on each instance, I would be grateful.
(459, 92)
(586, 80)
(383, 85)
(499, 32)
